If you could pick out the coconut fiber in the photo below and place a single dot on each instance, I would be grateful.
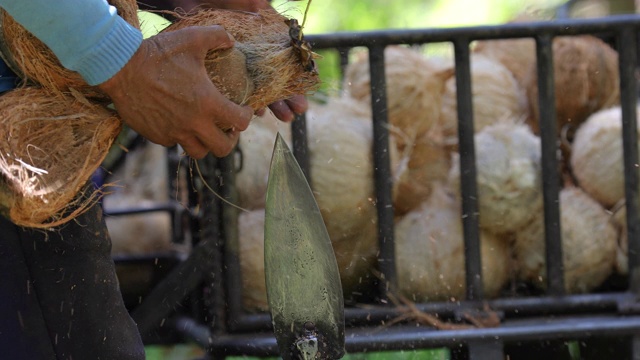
(50, 145)
(278, 63)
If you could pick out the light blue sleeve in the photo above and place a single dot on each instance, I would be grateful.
(87, 36)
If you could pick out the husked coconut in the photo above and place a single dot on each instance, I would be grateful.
(619, 219)
(597, 156)
(585, 77)
(421, 165)
(589, 242)
(341, 160)
(518, 55)
(140, 183)
(251, 257)
(509, 176)
(430, 252)
(496, 97)
(256, 147)
(355, 256)
(414, 87)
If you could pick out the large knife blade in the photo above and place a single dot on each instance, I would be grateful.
(303, 283)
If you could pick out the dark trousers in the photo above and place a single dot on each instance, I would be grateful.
(59, 295)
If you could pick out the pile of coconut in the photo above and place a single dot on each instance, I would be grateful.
(425, 163)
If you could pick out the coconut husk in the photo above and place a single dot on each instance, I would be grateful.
(496, 96)
(414, 86)
(589, 244)
(276, 64)
(586, 80)
(33, 60)
(51, 145)
(430, 257)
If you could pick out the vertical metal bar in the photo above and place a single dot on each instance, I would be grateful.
(230, 245)
(468, 184)
(627, 43)
(485, 350)
(382, 167)
(300, 144)
(550, 176)
(343, 53)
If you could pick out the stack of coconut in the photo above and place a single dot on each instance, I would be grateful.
(424, 155)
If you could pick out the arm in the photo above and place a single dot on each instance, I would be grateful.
(96, 42)
(159, 86)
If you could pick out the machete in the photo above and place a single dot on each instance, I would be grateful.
(303, 283)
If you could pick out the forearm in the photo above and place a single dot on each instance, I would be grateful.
(87, 36)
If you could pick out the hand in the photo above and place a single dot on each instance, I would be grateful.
(165, 95)
(286, 110)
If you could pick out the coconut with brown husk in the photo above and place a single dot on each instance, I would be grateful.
(430, 257)
(589, 244)
(270, 61)
(52, 144)
(33, 60)
(414, 85)
(585, 77)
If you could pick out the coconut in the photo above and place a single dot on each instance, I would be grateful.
(430, 252)
(355, 256)
(414, 87)
(585, 77)
(509, 176)
(266, 64)
(52, 144)
(422, 164)
(341, 160)
(256, 147)
(589, 242)
(496, 97)
(597, 156)
(32, 59)
(140, 183)
(251, 257)
(518, 55)
(619, 220)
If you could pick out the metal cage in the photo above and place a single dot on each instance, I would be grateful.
(200, 298)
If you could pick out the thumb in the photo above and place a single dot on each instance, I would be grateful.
(212, 37)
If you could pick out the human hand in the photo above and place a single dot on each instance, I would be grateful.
(165, 95)
(286, 110)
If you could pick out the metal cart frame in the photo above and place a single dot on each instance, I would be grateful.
(200, 298)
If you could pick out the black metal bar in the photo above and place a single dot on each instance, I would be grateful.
(549, 157)
(382, 168)
(170, 207)
(187, 275)
(468, 173)
(300, 145)
(627, 40)
(412, 337)
(231, 254)
(635, 347)
(605, 25)
(511, 307)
